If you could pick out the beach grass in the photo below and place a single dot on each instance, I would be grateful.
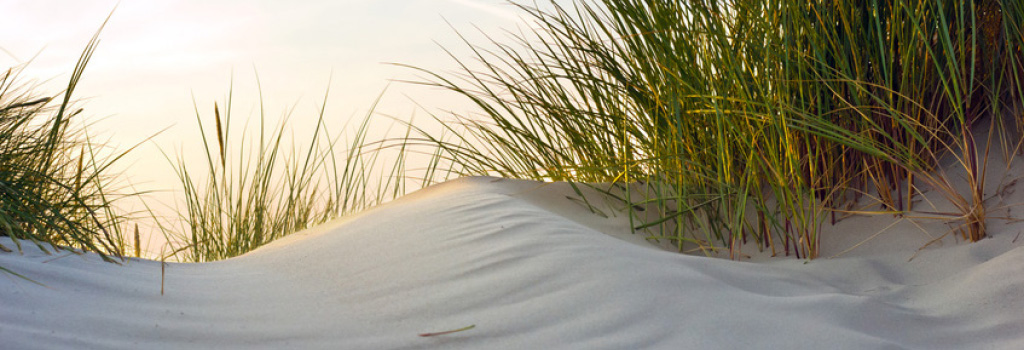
(746, 121)
(258, 185)
(57, 189)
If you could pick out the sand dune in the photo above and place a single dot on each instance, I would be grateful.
(530, 268)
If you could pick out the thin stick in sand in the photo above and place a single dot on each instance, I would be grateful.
(448, 332)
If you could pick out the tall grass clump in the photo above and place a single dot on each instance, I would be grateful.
(746, 121)
(54, 186)
(255, 189)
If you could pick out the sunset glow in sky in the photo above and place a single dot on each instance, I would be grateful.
(155, 56)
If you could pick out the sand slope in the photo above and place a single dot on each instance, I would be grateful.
(531, 269)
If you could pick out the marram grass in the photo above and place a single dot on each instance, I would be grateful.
(258, 186)
(55, 186)
(746, 121)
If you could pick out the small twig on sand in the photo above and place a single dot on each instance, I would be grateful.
(163, 268)
(448, 332)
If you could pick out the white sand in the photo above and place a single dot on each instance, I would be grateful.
(531, 269)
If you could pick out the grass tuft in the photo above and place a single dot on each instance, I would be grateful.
(55, 187)
(745, 121)
(253, 191)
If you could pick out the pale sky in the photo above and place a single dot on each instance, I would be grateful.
(154, 55)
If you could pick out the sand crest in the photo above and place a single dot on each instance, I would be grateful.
(530, 268)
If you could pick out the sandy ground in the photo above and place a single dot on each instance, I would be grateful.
(531, 268)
